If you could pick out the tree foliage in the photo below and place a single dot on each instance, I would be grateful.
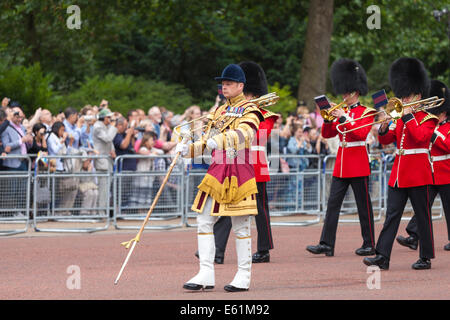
(188, 42)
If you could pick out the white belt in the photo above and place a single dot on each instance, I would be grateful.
(346, 144)
(440, 158)
(258, 148)
(403, 152)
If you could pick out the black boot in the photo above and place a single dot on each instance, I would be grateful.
(368, 251)
(447, 247)
(410, 242)
(231, 288)
(261, 256)
(378, 260)
(422, 264)
(321, 248)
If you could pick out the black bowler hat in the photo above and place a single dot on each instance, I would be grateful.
(408, 76)
(232, 72)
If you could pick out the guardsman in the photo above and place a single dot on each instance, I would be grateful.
(352, 160)
(229, 187)
(440, 159)
(411, 175)
(255, 86)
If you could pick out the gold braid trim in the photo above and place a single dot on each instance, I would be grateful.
(368, 110)
(244, 208)
(268, 113)
(428, 117)
(229, 192)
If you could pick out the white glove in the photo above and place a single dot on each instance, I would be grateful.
(211, 144)
(182, 148)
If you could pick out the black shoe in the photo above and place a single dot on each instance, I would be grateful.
(409, 242)
(261, 256)
(321, 248)
(368, 251)
(447, 247)
(231, 288)
(217, 259)
(378, 260)
(422, 264)
(196, 287)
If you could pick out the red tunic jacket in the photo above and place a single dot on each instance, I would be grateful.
(412, 134)
(259, 152)
(440, 154)
(352, 159)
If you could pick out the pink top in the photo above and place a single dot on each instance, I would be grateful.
(158, 144)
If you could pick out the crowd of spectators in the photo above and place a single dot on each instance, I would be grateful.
(98, 131)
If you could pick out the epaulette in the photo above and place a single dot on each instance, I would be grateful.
(428, 117)
(367, 110)
(253, 108)
(267, 114)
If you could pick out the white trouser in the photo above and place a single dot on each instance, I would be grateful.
(207, 248)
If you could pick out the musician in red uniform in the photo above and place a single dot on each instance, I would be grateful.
(352, 161)
(255, 87)
(440, 158)
(411, 175)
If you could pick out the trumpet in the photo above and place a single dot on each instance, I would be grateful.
(326, 113)
(395, 110)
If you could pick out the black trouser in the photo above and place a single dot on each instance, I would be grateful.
(265, 242)
(338, 189)
(396, 202)
(444, 192)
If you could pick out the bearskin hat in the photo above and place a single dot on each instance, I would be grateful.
(439, 89)
(256, 79)
(408, 76)
(348, 76)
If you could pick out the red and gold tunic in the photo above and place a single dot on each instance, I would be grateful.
(259, 151)
(412, 133)
(440, 154)
(230, 179)
(352, 159)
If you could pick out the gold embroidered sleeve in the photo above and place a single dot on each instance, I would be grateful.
(242, 136)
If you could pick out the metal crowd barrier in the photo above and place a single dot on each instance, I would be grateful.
(134, 191)
(15, 195)
(292, 193)
(302, 195)
(78, 196)
(349, 204)
(55, 199)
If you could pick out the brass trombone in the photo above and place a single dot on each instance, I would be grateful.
(264, 101)
(395, 110)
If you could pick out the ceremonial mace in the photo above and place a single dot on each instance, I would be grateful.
(136, 239)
